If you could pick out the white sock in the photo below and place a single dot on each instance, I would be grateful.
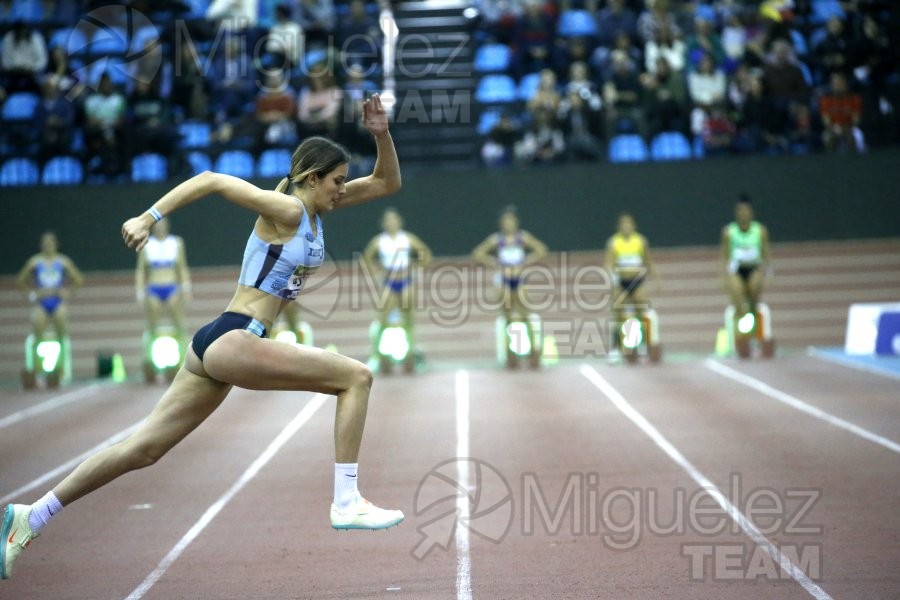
(345, 489)
(43, 510)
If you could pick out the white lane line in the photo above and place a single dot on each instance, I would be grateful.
(50, 404)
(286, 434)
(71, 464)
(463, 563)
(704, 482)
(800, 405)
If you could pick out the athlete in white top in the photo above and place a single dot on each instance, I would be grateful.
(397, 250)
(233, 350)
(162, 281)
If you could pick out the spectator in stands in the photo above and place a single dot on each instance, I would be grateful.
(655, 17)
(718, 130)
(151, 128)
(232, 80)
(234, 15)
(841, 111)
(544, 142)
(753, 117)
(667, 45)
(359, 36)
(706, 85)
(285, 40)
(734, 38)
(612, 20)
(603, 57)
(317, 18)
(533, 40)
(23, 58)
(622, 98)
(148, 66)
(787, 94)
(355, 137)
(319, 104)
(58, 67)
(104, 112)
(274, 117)
(577, 118)
(498, 148)
(55, 117)
(189, 87)
(832, 54)
(874, 59)
(704, 42)
(547, 96)
(664, 99)
(356, 86)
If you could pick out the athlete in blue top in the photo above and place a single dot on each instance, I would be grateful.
(285, 247)
(49, 278)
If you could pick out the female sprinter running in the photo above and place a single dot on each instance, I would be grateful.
(162, 282)
(396, 250)
(285, 246)
(511, 250)
(745, 258)
(628, 261)
(49, 279)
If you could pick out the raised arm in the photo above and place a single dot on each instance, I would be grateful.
(385, 178)
(274, 206)
(483, 251)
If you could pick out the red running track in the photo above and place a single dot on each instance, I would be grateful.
(549, 430)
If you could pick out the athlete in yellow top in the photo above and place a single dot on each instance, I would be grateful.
(745, 257)
(628, 261)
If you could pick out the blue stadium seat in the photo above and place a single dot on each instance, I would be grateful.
(496, 88)
(30, 11)
(576, 23)
(148, 167)
(670, 145)
(71, 39)
(197, 8)
(235, 162)
(199, 162)
(487, 120)
(492, 58)
(62, 170)
(19, 171)
(528, 86)
(195, 134)
(799, 42)
(822, 10)
(275, 162)
(627, 148)
(108, 40)
(20, 106)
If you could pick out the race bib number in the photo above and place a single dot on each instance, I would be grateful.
(748, 255)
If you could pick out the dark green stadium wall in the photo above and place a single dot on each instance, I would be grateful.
(570, 207)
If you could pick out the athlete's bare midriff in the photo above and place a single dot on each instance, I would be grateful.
(257, 304)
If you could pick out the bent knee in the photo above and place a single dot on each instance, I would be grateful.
(360, 376)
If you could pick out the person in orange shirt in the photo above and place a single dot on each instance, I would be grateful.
(841, 110)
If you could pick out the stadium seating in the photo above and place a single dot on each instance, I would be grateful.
(199, 162)
(275, 162)
(528, 86)
(670, 145)
(487, 120)
(62, 170)
(235, 162)
(148, 167)
(627, 148)
(195, 134)
(19, 171)
(576, 23)
(494, 89)
(492, 58)
(20, 106)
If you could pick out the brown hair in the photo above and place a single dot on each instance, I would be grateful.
(315, 155)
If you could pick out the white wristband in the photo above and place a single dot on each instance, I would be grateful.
(157, 216)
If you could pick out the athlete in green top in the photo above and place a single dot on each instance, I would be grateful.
(745, 257)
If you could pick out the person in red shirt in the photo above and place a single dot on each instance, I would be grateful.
(841, 111)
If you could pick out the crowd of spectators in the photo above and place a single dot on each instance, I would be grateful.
(256, 74)
(731, 76)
